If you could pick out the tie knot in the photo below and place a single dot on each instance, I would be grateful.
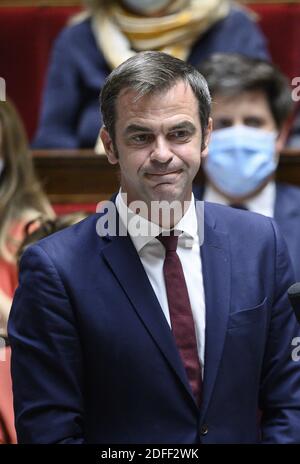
(169, 241)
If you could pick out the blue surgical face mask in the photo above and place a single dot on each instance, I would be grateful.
(240, 158)
(146, 6)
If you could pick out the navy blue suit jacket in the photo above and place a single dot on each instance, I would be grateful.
(94, 359)
(70, 111)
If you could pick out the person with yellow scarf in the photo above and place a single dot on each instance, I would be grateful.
(109, 32)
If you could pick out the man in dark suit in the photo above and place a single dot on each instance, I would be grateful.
(251, 104)
(146, 326)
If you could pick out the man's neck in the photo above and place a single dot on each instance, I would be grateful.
(164, 213)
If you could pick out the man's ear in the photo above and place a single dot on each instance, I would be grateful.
(108, 146)
(208, 131)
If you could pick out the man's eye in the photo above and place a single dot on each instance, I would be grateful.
(180, 135)
(222, 123)
(140, 138)
(254, 121)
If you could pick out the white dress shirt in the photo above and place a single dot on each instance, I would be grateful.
(262, 203)
(152, 255)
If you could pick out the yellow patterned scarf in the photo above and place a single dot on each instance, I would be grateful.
(120, 34)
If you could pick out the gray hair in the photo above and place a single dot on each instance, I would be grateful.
(231, 74)
(149, 73)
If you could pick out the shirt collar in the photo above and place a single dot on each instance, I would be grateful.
(188, 224)
(262, 203)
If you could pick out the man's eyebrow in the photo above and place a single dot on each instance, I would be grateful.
(136, 128)
(183, 125)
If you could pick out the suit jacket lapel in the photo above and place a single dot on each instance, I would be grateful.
(217, 281)
(135, 283)
(216, 278)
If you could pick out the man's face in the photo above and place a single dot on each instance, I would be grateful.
(249, 108)
(157, 144)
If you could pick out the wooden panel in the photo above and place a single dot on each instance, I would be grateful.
(75, 176)
(289, 167)
(81, 176)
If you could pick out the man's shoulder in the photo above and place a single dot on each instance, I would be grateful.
(288, 190)
(73, 28)
(73, 239)
(76, 36)
(239, 13)
(228, 214)
(248, 234)
(237, 222)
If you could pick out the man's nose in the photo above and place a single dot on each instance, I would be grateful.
(161, 151)
(238, 121)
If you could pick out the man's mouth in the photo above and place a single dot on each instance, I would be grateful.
(158, 175)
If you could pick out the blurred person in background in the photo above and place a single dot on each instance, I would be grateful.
(86, 51)
(40, 228)
(251, 106)
(34, 230)
(21, 200)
